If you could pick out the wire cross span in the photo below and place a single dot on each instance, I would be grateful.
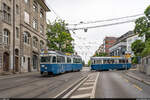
(105, 25)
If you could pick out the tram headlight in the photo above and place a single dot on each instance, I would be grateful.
(43, 66)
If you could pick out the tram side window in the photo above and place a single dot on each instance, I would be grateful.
(105, 62)
(93, 61)
(120, 61)
(54, 59)
(68, 60)
(126, 61)
(62, 59)
(78, 60)
(98, 62)
(45, 59)
(58, 59)
(112, 61)
(74, 60)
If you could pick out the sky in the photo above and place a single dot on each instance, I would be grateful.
(75, 11)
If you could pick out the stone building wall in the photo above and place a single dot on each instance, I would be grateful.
(24, 53)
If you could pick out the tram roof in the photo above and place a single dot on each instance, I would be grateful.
(99, 58)
(58, 53)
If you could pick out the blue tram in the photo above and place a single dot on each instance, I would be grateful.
(106, 63)
(56, 63)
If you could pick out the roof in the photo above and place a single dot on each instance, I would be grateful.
(98, 58)
(43, 4)
(58, 53)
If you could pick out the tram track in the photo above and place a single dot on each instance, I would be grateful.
(22, 84)
(40, 86)
(81, 86)
(57, 86)
(45, 88)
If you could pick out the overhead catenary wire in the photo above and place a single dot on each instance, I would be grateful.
(112, 19)
(105, 25)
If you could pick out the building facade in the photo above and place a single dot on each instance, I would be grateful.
(108, 42)
(130, 40)
(120, 47)
(22, 34)
(100, 49)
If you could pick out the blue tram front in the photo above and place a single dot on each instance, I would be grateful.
(106, 63)
(56, 63)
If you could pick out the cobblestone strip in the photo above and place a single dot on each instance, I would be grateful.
(87, 89)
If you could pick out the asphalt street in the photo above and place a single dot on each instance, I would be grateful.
(109, 84)
(36, 86)
(115, 84)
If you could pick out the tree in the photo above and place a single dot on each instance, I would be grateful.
(146, 50)
(89, 62)
(142, 24)
(134, 60)
(58, 37)
(137, 47)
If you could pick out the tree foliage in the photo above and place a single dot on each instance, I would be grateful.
(137, 47)
(142, 28)
(58, 37)
(146, 50)
(134, 60)
(89, 62)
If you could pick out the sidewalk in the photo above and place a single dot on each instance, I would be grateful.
(6, 76)
(139, 76)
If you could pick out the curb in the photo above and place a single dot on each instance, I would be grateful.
(17, 75)
(137, 78)
(94, 89)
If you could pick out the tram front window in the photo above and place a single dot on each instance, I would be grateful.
(45, 59)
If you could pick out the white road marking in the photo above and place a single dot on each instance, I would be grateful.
(85, 88)
(81, 96)
(90, 80)
(89, 83)
(94, 88)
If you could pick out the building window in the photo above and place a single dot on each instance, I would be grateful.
(41, 45)
(35, 42)
(6, 13)
(41, 29)
(26, 17)
(41, 13)
(17, 9)
(26, 1)
(35, 24)
(17, 32)
(6, 36)
(24, 59)
(35, 7)
(26, 37)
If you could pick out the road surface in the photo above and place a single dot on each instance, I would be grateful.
(115, 84)
(35, 86)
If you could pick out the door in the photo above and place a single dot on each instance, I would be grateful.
(29, 68)
(16, 64)
(6, 62)
(35, 62)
